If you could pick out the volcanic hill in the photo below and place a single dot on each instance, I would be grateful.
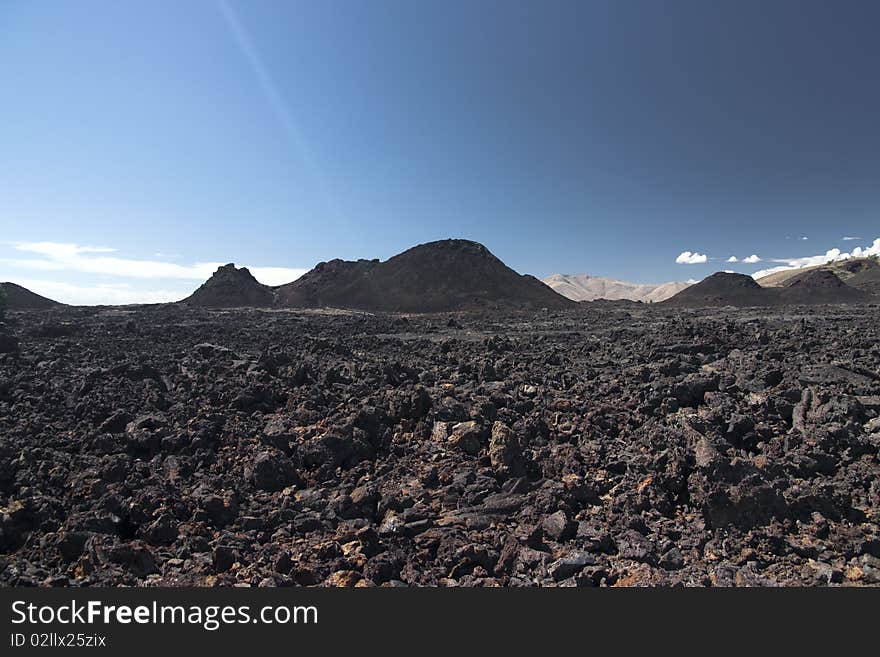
(20, 298)
(821, 286)
(846, 270)
(231, 287)
(815, 286)
(328, 284)
(723, 289)
(446, 275)
(867, 279)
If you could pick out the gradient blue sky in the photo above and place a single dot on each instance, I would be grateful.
(598, 137)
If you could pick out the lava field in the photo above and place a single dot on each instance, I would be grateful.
(605, 445)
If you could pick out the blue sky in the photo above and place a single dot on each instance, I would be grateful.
(144, 143)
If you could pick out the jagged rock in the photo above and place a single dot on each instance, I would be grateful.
(571, 564)
(606, 445)
(115, 423)
(558, 527)
(271, 471)
(223, 558)
(632, 545)
(467, 437)
(134, 556)
(504, 451)
(163, 530)
(8, 344)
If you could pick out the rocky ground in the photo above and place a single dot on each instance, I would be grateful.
(605, 445)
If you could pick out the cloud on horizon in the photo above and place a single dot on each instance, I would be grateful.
(829, 256)
(688, 258)
(99, 294)
(95, 261)
(752, 259)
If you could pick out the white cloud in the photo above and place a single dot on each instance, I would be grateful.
(84, 259)
(276, 275)
(99, 294)
(688, 258)
(771, 270)
(752, 259)
(829, 256)
(72, 257)
(733, 259)
(156, 281)
(805, 238)
(873, 250)
(728, 271)
(850, 239)
(59, 250)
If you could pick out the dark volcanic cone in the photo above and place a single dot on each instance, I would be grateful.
(857, 265)
(846, 270)
(439, 276)
(816, 279)
(230, 287)
(723, 289)
(821, 286)
(812, 287)
(868, 279)
(20, 298)
(329, 284)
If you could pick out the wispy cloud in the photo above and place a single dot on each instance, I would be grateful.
(86, 275)
(91, 260)
(688, 258)
(60, 250)
(99, 293)
(847, 238)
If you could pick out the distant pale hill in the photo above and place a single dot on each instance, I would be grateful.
(852, 272)
(582, 287)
